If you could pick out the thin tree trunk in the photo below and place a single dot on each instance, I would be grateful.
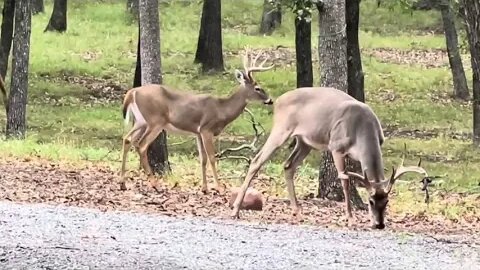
(332, 48)
(6, 35)
(151, 73)
(460, 87)
(16, 126)
(58, 20)
(303, 50)
(471, 9)
(37, 6)
(354, 58)
(271, 18)
(209, 48)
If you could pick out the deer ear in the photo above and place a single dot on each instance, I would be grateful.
(240, 77)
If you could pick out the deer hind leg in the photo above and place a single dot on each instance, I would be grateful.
(203, 160)
(277, 137)
(127, 143)
(207, 139)
(299, 153)
(148, 137)
(339, 161)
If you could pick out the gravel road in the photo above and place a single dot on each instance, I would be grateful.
(57, 237)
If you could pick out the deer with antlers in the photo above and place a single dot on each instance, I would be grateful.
(329, 119)
(159, 107)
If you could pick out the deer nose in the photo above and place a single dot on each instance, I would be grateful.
(380, 226)
(268, 101)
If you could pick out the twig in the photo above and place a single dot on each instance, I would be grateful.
(252, 146)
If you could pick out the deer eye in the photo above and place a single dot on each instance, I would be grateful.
(371, 202)
(257, 88)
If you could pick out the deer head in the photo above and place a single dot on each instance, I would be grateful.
(253, 90)
(378, 191)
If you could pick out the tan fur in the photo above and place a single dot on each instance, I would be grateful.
(4, 93)
(324, 118)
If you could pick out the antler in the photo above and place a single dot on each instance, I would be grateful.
(250, 66)
(396, 173)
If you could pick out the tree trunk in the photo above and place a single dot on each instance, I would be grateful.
(6, 35)
(151, 73)
(271, 18)
(460, 87)
(332, 49)
(471, 9)
(132, 7)
(354, 58)
(37, 6)
(209, 47)
(303, 50)
(17, 102)
(58, 20)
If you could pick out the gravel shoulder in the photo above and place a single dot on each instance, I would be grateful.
(40, 236)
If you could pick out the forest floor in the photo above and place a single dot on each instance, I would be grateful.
(94, 186)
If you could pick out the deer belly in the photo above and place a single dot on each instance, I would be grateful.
(171, 129)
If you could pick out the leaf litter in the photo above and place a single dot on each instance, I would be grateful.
(94, 186)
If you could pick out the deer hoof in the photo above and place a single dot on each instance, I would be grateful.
(235, 214)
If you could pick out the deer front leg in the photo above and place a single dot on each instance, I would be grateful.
(339, 161)
(207, 139)
(277, 137)
(296, 158)
(203, 160)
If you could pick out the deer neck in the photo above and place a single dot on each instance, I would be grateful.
(233, 105)
(372, 163)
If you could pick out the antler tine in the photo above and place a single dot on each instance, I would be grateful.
(245, 60)
(401, 169)
(254, 68)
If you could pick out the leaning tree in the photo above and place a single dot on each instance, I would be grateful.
(17, 102)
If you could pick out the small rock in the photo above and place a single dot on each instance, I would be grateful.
(253, 199)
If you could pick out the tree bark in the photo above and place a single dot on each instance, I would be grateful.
(6, 35)
(132, 7)
(271, 18)
(460, 87)
(151, 73)
(58, 20)
(471, 9)
(354, 58)
(209, 48)
(37, 6)
(332, 49)
(17, 102)
(303, 50)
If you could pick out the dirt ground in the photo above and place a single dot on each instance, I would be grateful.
(93, 186)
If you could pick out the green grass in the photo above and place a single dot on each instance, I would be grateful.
(101, 43)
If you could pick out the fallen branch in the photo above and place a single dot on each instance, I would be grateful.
(252, 146)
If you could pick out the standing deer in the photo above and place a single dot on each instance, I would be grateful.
(329, 119)
(159, 107)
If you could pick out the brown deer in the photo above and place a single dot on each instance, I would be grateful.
(4, 94)
(329, 119)
(159, 107)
